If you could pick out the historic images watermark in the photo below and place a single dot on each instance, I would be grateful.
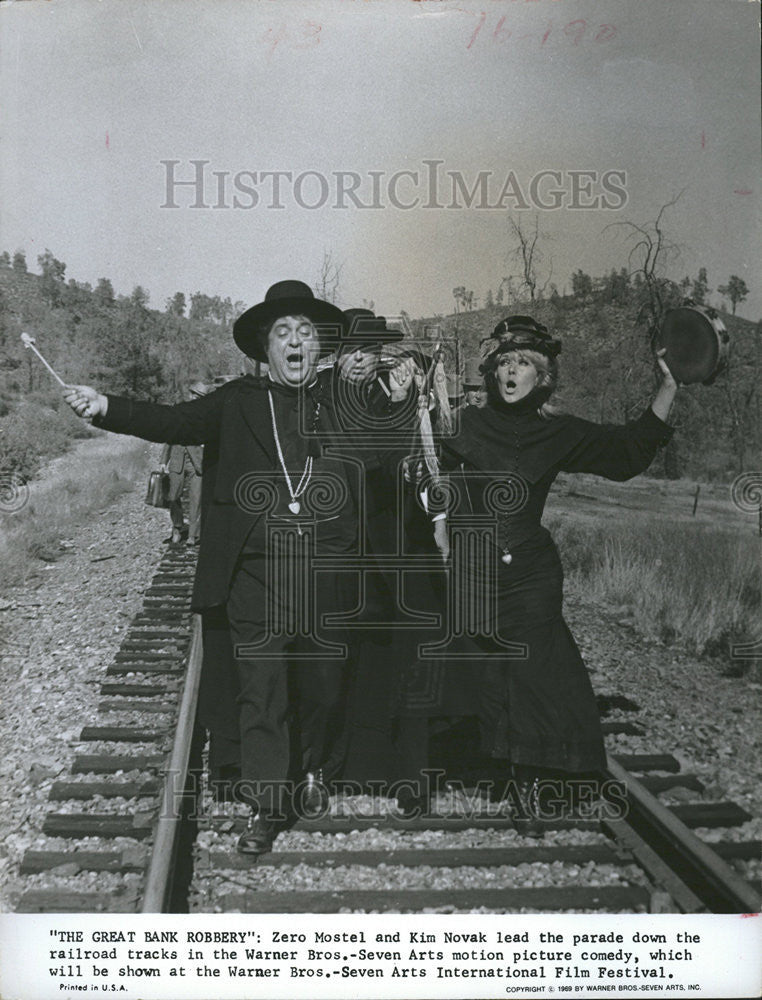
(199, 184)
(549, 800)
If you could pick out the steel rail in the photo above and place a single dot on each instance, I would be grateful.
(702, 872)
(161, 867)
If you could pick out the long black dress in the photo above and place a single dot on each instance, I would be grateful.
(539, 709)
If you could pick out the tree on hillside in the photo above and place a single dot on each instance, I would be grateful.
(77, 297)
(329, 277)
(19, 262)
(104, 292)
(741, 387)
(700, 290)
(52, 271)
(528, 252)
(131, 349)
(5, 259)
(582, 284)
(735, 290)
(616, 286)
(139, 298)
(176, 304)
(206, 308)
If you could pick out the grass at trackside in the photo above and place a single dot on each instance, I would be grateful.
(695, 585)
(69, 491)
(690, 580)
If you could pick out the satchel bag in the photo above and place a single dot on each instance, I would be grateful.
(158, 488)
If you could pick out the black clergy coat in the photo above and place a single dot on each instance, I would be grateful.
(234, 425)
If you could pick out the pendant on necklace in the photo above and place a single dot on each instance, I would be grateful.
(294, 506)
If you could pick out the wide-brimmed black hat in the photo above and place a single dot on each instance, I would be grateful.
(365, 328)
(526, 332)
(286, 298)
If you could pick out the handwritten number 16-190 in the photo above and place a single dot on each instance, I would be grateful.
(575, 31)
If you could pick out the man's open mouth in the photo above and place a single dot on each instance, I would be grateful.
(294, 358)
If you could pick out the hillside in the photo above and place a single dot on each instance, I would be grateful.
(93, 336)
(118, 343)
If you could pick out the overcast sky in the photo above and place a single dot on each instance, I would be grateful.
(106, 101)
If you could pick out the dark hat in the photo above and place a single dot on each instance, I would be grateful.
(364, 327)
(285, 298)
(526, 332)
(472, 379)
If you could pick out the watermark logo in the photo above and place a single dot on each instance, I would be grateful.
(343, 801)
(746, 492)
(14, 493)
(198, 184)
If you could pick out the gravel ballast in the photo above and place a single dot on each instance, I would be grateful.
(61, 629)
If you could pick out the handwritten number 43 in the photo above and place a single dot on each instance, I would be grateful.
(574, 30)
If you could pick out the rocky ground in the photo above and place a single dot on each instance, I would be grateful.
(60, 630)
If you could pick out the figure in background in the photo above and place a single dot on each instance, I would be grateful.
(183, 463)
(473, 384)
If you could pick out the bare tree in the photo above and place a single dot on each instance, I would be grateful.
(650, 252)
(327, 285)
(531, 257)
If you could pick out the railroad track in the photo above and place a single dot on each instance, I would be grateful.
(120, 837)
(105, 838)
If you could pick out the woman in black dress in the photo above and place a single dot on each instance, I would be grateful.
(538, 711)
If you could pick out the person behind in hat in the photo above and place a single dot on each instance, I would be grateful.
(473, 383)
(263, 447)
(183, 465)
(537, 713)
(377, 380)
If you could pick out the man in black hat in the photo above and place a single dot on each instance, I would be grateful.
(473, 383)
(264, 466)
